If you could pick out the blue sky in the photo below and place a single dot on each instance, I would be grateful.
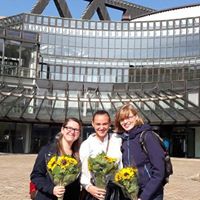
(13, 7)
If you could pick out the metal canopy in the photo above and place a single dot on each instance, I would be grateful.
(157, 107)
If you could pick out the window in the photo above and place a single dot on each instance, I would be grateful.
(45, 20)
(170, 24)
(73, 24)
(59, 22)
(52, 21)
(105, 26)
(66, 23)
(39, 20)
(32, 19)
(52, 39)
(194, 98)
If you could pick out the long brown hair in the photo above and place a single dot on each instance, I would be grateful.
(123, 113)
(75, 145)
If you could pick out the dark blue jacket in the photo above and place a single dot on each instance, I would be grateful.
(43, 182)
(150, 167)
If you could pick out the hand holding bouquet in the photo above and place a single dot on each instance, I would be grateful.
(126, 178)
(63, 170)
(102, 168)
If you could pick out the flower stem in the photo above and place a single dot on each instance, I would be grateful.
(60, 198)
(133, 196)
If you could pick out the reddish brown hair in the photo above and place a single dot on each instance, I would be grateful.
(123, 113)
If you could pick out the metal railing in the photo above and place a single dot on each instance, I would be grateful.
(137, 75)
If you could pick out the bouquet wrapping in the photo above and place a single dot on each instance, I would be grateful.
(127, 179)
(102, 169)
(63, 170)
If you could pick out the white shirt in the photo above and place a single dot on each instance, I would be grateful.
(92, 146)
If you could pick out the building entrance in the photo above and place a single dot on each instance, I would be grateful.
(179, 146)
(183, 143)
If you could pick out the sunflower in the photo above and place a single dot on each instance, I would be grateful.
(72, 161)
(118, 177)
(63, 169)
(63, 162)
(128, 173)
(110, 160)
(102, 168)
(52, 163)
(125, 174)
(126, 178)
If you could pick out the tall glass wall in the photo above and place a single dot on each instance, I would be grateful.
(128, 41)
(96, 51)
(18, 53)
(93, 51)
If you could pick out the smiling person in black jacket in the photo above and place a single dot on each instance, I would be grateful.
(66, 142)
(150, 167)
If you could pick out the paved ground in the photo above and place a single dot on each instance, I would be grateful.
(15, 170)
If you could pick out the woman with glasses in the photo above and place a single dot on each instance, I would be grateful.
(66, 143)
(150, 166)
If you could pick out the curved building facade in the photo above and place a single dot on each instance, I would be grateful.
(55, 67)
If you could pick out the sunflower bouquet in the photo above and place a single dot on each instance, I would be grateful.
(126, 178)
(102, 169)
(63, 170)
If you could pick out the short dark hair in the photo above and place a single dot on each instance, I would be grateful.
(101, 112)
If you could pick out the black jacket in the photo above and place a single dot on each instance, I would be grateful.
(43, 182)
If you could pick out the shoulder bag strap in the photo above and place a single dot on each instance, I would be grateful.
(108, 143)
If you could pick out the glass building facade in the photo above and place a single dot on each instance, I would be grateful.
(53, 67)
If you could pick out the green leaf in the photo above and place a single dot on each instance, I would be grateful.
(56, 170)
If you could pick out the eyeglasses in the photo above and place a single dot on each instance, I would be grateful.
(127, 118)
(76, 130)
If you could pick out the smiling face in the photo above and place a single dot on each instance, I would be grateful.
(129, 121)
(71, 131)
(126, 118)
(101, 124)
